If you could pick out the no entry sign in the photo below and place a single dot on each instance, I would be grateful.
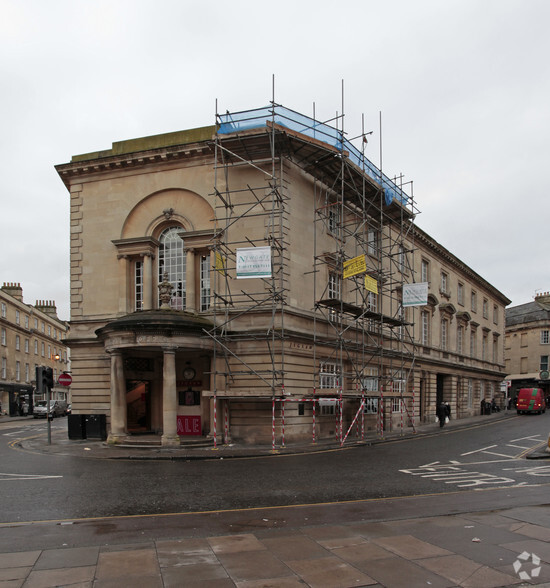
(65, 379)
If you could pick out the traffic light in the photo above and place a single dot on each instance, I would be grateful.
(47, 378)
(39, 384)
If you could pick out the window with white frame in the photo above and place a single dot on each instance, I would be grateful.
(424, 270)
(4, 310)
(17, 371)
(460, 339)
(398, 382)
(27, 373)
(473, 346)
(401, 258)
(545, 337)
(334, 285)
(4, 368)
(172, 261)
(369, 380)
(26, 321)
(425, 327)
(460, 293)
(444, 286)
(138, 285)
(49, 330)
(372, 301)
(544, 363)
(205, 282)
(328, 375)
(17, 317)
(43, 349)
(334, 219)
(36, 346)
(3, 336)
(444, 334)
(485, 308)
(372, 242)
(371, 405)
(43, 327)
(17, 343)
(26, 345)
(396, 404)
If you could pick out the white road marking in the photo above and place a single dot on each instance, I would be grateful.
(478, 450)
(10, 477)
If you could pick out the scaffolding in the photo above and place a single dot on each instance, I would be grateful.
(362, 344)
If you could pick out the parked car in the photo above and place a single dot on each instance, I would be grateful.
(57, 408)
(69, 408)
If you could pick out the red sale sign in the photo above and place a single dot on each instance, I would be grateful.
(189, 425)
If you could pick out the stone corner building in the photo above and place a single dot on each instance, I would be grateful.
(247, 280)
(527, 345)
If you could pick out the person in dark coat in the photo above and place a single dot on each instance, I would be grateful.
(448, 410)
(441, 413)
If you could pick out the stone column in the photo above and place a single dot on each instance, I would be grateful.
(190, 279)
(119, 418)
(148, 281)
(170, 436)
(122, 283)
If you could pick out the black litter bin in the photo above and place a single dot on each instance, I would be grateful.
(96, 426)
(76, 424)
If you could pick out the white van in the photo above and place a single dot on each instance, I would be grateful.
(57, 408)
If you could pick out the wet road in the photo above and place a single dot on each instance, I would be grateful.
(38, 487)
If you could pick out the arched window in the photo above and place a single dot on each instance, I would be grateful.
(171, 259)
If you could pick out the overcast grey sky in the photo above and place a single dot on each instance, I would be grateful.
(463, 88)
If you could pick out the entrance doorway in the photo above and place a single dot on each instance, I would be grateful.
(440, 388)
(138, 406)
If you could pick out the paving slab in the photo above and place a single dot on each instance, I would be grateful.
(60, 577)
(330, 572)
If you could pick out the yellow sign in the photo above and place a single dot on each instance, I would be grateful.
(371, 284)
(354, 266)
(220, 265)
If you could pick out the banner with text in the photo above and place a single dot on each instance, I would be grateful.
(371, 284)
(415, 294)
(254, 262)
(354, 266)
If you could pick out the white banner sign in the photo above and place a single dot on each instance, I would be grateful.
(254, 262)
(415, 294)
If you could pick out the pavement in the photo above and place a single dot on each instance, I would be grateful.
(321, 546)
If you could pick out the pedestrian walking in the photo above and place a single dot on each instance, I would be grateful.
(441, 412)
(448, 410)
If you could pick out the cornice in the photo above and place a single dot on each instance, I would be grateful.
(127, 161)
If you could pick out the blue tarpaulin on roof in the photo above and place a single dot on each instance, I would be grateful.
(253, 119)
